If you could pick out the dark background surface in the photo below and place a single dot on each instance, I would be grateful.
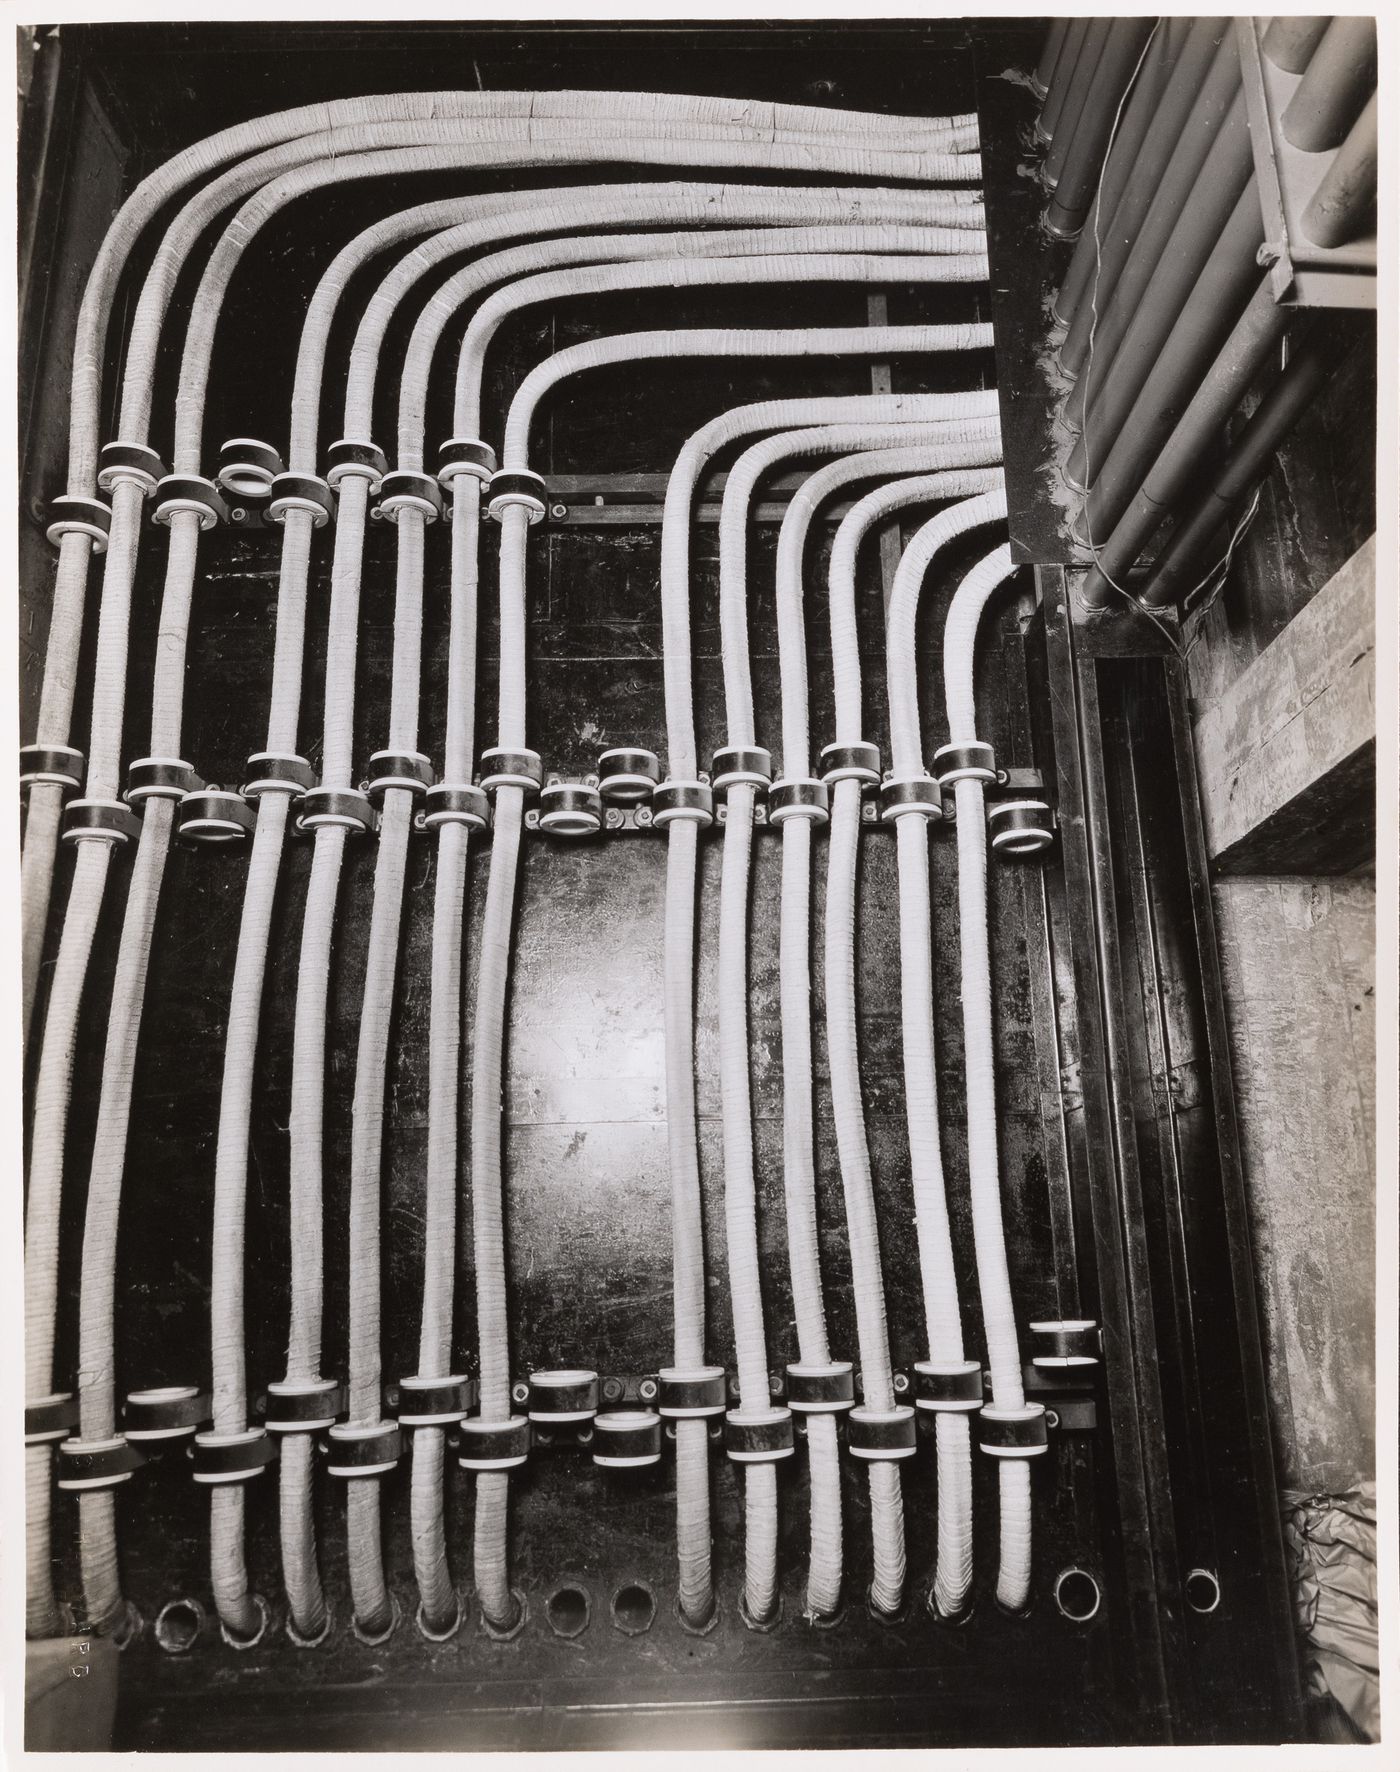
(587, 1186)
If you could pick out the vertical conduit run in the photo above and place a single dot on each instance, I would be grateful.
(993, 1278)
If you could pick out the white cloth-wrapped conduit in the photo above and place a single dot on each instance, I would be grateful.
(887, 1520)
(692, 1474)
(993, 1278)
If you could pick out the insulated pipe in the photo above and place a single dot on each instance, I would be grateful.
(887, 1522)
(993, 1277)
(1291, 39)
(1128, 423)
(1049, 120)
(1164, 94)
(1049, 57)
(946, 1349)
(1082, 161)
(1197, 527)
(1081, 86)
(739, 1191)
(1258, 331)
(1213, 235)
(1132, 260)
(692, 1475)
(1342, 205)
(1341, 74)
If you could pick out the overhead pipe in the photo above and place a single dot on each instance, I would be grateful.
(1130, 263)
(1048, 121)
(1166, 89)
(692, 1479)
(1080, 166)
(1343, 205)
(801, 805)
(1011, 1429)
(742, 755)
(1258, 332)
(1197, 528)
(1049, 57)
(1340, 76)
(1081, 86)
(1291, 39)
(914, 799)
(1222, 291)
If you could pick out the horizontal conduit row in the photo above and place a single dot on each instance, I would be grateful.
(525, 248)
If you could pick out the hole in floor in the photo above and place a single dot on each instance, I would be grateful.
(633, 1608)
(1077, 1595)
(1202, 1591)
(568, 1611)
(178, 1624)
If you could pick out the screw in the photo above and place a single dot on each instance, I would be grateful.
(1052, 1418)
(612, 1389)
(734, 1387)
(644, 815)
(238, 514)
(647, 1389)
(901, 1383)
(775, 1384)
(614, 819)
(558, 512)
(520, 1393)
(585, 1435)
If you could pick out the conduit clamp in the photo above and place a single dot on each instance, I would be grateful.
(758, 1436)
(1020, 827)
(362, 1450)
(910, 794)
(302, 1406)
(741, 766)
(502, 768)
(407, 490)
(278, 772)
(432, 1402)
(973, 761)
(356, 458)
(57, 764)
(880, 1436)
(451, 802)
(248, 467)
(517, 486)
(626, 1439)
(221, 1458)
(814, 1389)
(71, 515)
(216, 815)
(97, 1464)
(345, 808)
(1068, 1341)
(569, 809)
(160, 778)
(169, 1412)
(190, 495)
(132, 463)
(493, 1445)
(675, 800)
(1009, 1432)
(409, 770)
(467, 456)
(300, 492)
(948, 1386)
(687, 1394)
(106, 821)
(799, 797)
(557, 1399)
(851, 762)
(51, 1418)
(626, 776)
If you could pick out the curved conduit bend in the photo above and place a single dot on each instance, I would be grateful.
(1009, 1405)
(761, 136)
(744, 477)
(471, 222)
(189, 424)
(515, 512)
(956, 1382)
(854, 768)
(806, 806)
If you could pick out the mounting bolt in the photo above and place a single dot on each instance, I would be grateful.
(901, 1383)
(558, 512)
(612, 1390)
(520, 1393)
(614, 818)
(647, 1390)
(775, 1384)
(1052, 1418)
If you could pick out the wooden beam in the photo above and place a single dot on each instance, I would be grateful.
(1287, 754)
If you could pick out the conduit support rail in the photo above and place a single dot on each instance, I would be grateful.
(1259, 151)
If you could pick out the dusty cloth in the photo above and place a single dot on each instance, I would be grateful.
(1332, 1544)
